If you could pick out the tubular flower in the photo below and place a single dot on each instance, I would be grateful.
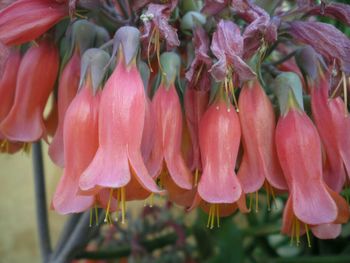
(330, 122)
(7, 94)
(25, 20)
(219, 189)
(68, 86)
(196, 97)
(166, 158)
(310, 201)
(260, 159)
(118, 162)
(80, 135)
(24, 122)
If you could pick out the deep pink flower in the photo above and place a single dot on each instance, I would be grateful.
(8, 84)
(25, 20)
(67, 89)
(219, 190)
(310, 200)
(329, 119)
(80, 135)
(118, 162)
(258, 123)
(25, 122)
(166, 159)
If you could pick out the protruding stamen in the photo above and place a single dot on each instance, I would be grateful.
(217, 216)
(123, 203)
(292, 234)
(213, 213)
(150, 199)
(27, 147)
(250, 201)
(256, 201)
(109, 204)
(297, 231)
(307, 235)
(196, 177)
(149, 49)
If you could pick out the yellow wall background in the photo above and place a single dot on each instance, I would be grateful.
(18, 229)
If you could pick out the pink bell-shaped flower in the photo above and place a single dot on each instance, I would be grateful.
(25, 122)
(67, 89)
(310, 200)
(80, 136)
(25, 20)
(8, 81)
(219, 189)
(260, 161)
(166, 161)
(329, 119)
(118, 162)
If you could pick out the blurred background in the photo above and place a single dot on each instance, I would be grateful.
(19, 240)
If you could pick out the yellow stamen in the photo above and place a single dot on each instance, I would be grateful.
(109, 204)
(250, 201)
(297, 230)
(232, 90)
(198, 74)
(213, 213)
(123, 203)
(217, 216)
(149, 48)
(292, 234)
(196, 177)
(96, 215)
(308, 236)
(150, 199)
(27, 147)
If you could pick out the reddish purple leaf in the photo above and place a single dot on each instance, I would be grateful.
(158, 17)
(227, 46)
(327, 40)
(201, 62)
(337, 11)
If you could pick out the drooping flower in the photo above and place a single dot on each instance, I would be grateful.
(25, 20)
(328, 124)
(166, 158)
(219, 189)
(8, 81)
(259, 162)
(24, 122)
(196, 96)
(118, 162)
(80, 136)
(67, 89)
(311, 201)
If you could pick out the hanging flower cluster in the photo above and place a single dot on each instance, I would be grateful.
(131, 121)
